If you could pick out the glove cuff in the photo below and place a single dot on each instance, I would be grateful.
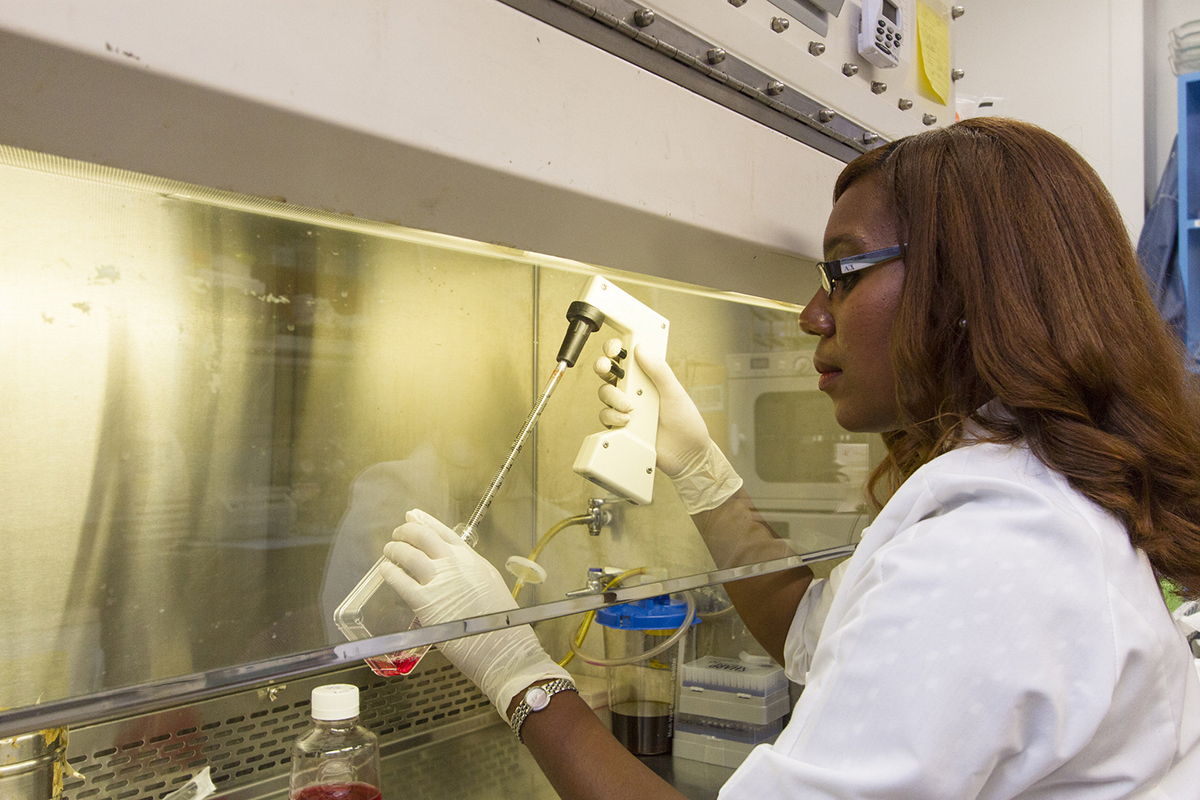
(517, 684)
(707, 482)
(515, 661)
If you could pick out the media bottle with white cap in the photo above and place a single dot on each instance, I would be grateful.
(336, 758)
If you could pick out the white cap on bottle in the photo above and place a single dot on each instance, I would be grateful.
(335, 701)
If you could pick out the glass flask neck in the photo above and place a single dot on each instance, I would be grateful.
(335, 725)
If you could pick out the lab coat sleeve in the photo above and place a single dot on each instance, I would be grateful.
(970, 656)
(806, 626)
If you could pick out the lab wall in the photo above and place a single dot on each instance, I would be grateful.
(1072, 66)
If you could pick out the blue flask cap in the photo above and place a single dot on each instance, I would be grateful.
(654, 614)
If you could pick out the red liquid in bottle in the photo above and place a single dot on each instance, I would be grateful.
(391, 665)
(339, 791)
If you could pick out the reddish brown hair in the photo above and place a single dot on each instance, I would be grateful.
(1009, 229)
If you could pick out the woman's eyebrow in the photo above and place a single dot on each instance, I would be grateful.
(843, 239)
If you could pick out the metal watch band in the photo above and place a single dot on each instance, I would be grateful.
(524, 709)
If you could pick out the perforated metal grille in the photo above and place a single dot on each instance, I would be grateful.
(246, 737)
(397, 708)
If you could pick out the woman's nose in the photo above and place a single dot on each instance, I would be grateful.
(815, 319)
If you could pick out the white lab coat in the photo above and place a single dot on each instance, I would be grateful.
(994, 636)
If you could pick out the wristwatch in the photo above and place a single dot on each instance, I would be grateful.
(537, 698)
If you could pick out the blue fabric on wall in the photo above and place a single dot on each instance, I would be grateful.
(1158, 248)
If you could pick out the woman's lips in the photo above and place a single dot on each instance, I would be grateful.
(829, 374)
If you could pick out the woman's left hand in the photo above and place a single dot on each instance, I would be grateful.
(440, 576)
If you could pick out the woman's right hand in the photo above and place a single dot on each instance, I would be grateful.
(686, 453)
(682, 435)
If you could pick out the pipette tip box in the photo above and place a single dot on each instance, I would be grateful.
(720, 741)
(734, 675)
(728, 706)
(732, 689)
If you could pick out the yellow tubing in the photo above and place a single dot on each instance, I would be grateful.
(555, 529)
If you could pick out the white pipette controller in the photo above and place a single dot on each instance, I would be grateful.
(622, 461)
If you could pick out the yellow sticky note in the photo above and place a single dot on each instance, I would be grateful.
(933, 51)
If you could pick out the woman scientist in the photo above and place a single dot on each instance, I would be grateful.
(999, 631)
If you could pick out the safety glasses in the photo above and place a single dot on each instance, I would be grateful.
(833, 271)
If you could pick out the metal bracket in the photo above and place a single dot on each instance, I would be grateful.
(605, 512)
(597, 579)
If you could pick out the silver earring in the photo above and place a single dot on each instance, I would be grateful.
(962, 323)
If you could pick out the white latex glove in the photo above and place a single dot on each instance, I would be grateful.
(687, 455)
(443, 579)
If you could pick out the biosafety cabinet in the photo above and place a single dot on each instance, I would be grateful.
(274, 275)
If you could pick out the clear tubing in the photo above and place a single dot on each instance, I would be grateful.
(468, 531)
(653, 651)
(582, 632)
(405, 661)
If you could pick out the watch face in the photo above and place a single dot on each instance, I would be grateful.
(537, 698)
